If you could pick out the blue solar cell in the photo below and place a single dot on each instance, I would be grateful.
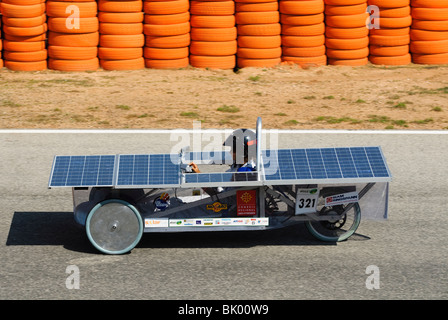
(301, 164)
(361, 162)
(316, 164)
(346, 163)
(377, 162)
(106, 170)
(286, 164)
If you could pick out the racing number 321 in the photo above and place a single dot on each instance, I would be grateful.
(306, 203)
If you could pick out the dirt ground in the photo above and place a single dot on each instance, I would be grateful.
(286, 97)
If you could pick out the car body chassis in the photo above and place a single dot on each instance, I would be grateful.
(115, 219)
(116, 212)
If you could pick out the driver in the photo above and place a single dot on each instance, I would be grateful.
(243, 147)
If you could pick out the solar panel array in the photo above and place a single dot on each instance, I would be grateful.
(148, 170)
(80, 171)
(358, 163)
(283, 166)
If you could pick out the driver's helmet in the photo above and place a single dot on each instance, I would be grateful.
(244, 143)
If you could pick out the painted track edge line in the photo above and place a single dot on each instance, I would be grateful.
(167, 131)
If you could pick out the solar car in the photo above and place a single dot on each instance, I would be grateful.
(119, 197)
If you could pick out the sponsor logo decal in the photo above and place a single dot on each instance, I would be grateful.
(217, 206)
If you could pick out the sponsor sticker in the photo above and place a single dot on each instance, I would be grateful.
(156, 223)
(246, 202)
(217, 206)
(221, 222)
(342, 198)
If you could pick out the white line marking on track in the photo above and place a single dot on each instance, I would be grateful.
(168, 131)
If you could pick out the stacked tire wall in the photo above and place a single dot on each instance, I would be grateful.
(121, 35)
(346, 34)
(73, 35)
(24, 30)
(429, 32)
(167, 34)
(303, 32)
(389, 45)
(85, 35)
(259, 33)
(213, 34)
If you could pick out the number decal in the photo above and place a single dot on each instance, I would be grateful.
(306, 201)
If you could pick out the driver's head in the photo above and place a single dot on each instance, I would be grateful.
(243, 145)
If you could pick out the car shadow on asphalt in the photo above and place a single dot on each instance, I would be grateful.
(60, 229)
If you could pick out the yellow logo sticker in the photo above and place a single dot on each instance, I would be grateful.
(217, 206)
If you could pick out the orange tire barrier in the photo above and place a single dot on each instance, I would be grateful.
(346, 33)
(306, 61)
(133, 34)
(256, 6)
(381, 51)
(212, 8)
(72, 53)
(301, 8)
(120, 17)
(123, 64)
(167, 34)
(74, 40)
(428, 4)
(338, 10)
(441, 58)
(259, 33)
(105, 53)
(302, 32)
(179, 41)
(429, 32)
(120, 6)
(25, 22)
(389, 42)
(24, 30)
(391, 60)
(22, 11)
(121, 35)
(73, 65)
(59, 9)
(306, 20)
(213, 34)
(212, 21)
(26, 66)
(73, 35)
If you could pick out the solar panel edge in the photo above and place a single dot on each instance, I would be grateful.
(50, 179)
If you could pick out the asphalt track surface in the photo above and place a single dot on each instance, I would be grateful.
(39, 239)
